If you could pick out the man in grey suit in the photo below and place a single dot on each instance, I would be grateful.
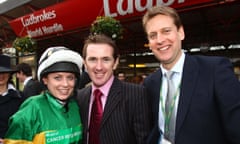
(126, 114)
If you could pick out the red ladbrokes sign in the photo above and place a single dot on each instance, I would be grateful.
(75, 14)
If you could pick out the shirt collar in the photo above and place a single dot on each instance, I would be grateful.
(10, 87)
(26, 80)
(105, 88)
(178, 67)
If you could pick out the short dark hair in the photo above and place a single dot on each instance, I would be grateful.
(100, 39)
(24, 68)
(121, 72)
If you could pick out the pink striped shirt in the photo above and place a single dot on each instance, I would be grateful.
(105, 90)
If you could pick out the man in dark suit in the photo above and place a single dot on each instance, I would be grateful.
(206, 102)
(124, 107)
(31, 87)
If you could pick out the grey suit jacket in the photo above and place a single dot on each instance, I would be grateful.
(126, 118)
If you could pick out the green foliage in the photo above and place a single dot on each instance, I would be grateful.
(25, 44)
(108, 26)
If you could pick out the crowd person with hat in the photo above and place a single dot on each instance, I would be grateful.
(31, 87)
(10, 98)
(53, 116)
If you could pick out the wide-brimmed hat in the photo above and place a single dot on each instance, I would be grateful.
(5, 64)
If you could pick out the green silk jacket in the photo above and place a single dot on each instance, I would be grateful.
(43, 120)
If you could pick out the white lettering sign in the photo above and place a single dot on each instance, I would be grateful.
(131, 4)
(34, 19)
(45, 30)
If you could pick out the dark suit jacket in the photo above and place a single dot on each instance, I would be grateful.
(209, 103)
(126, 118)
(32, 88)
(9, 104)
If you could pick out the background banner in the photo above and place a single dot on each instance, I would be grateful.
(76, 14)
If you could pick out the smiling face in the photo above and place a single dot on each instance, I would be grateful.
(165, 39)
(100, 63)
(60, 84)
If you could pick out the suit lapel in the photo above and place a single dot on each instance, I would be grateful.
(155, 83)
(189, 78)
(84, 106)
(113, 99)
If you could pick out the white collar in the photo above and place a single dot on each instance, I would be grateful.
(10, 86)
(26, 80)
(178, 67)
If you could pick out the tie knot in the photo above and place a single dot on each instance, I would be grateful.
(97, 94)
(169, 74)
